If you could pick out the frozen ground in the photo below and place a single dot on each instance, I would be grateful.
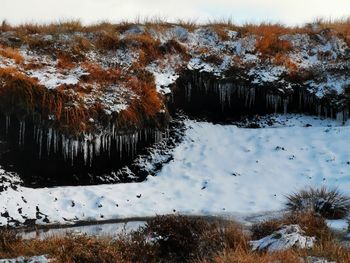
(216, 170)
(101, 230)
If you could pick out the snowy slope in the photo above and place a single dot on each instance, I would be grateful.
(216, 170)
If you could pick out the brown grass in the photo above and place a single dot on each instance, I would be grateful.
(313, 225)
(175, 239)
(107, 41)
(65, 61)
(68, 26)
(147, 46)
(144, 111)
(283, 60)
(99, 75)
(271, 45)
(82, 44)
(11, 53)
(340, 26)
(173, 46)
(39, 44)
(213, 59)
(245, 256)
(23, 96)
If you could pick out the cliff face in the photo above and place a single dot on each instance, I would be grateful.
(76, 93)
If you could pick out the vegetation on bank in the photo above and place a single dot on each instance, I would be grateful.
(90, 50)
(176, 238)
(181, 239)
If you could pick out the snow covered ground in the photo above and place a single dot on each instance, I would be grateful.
(217, 170)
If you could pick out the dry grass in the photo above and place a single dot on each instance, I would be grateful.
(11, 53)
(23, 96)
(213, 59)
(245, 256)
(144, 111)
(107, 41)
(172, 239)
(271, 44)
(39, 44)
(173, 46)
(145, 44)
(313, 225)
(331, 250)
(65, 61)
(99, 75)
(340, 26)
(283, 60)
(68, 26)
(329, 203)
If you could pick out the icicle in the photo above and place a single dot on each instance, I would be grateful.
(48, 141)
(72, 152)
(188, 91)
(55, 142)
(75, 150)
(85, 151)
(8, 123)
(40, 138)
(340, 117)
(319, 110)
(109, 145)
(285, 105)
(346, 115)
(252, 98)
(97, 144)
(20, 134)
(91, 154)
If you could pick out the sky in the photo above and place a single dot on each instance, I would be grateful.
(289, 12)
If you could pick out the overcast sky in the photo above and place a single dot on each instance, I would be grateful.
(90, 11)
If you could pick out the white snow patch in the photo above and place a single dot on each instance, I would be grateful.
(340, 225)
(211, 174)
(51, 78)
(287, 237)
(165, 73)
(36, 259)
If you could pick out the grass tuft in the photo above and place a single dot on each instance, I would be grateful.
(329, 203)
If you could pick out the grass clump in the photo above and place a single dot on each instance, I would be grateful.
(107, 41)
(11, 53)
(329, 203)
(179, 239)
(173, 239)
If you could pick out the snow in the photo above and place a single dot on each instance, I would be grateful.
(269, 74)
(287, 237)
(317, 260)
(36, 259)
(164, 72)
(164, 80)
(340, 225)
(100, 230)
(51, 78)
(329, 84)
(250, 173)
(113, 99)
(8, 179)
